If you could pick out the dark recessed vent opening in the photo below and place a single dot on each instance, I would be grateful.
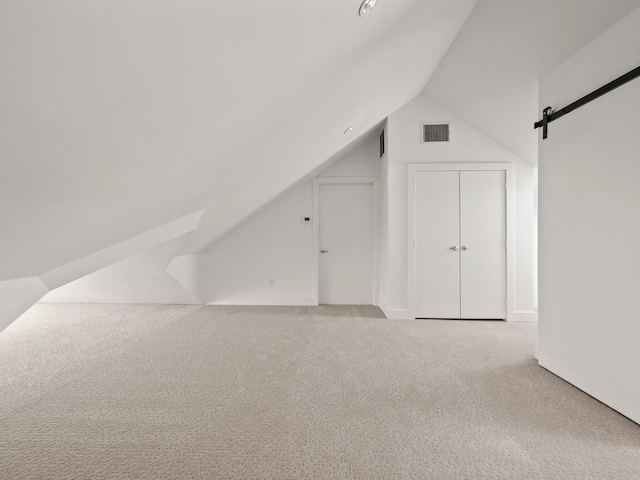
(435, 132)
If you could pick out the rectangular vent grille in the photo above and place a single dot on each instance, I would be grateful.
(435, 132)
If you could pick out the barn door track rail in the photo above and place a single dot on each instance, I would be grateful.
(548, 115)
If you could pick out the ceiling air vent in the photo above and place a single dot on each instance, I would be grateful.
(435, 132)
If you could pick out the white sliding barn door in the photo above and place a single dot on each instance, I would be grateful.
(460, 251)
(346, 275)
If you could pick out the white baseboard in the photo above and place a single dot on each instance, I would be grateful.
(231, 300)
(523, 317)
(405, 314)
(393, 313)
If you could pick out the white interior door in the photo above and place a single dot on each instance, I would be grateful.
(437, 231)
(346, 244)
(482, 244)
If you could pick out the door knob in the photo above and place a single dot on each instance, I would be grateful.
(464, 247)
(454, 248)
(324, 251)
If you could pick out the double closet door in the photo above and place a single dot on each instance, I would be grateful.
(460, 230)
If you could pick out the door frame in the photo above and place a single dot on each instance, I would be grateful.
(317, 182)
(412, 169)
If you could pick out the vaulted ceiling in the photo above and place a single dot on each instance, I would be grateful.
(119, 116)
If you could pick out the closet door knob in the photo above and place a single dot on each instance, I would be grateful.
(464, 247)
(454, 248)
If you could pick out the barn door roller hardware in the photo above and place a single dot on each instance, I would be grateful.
(548, 115)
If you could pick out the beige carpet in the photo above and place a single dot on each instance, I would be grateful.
(182, 392)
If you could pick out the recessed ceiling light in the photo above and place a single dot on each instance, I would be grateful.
(367, 6)
(348, 130)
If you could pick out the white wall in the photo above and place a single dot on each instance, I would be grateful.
(133, 271)
(16, 296)
(269, 259)
(274, 245)
(466, 145)
(140, 278)
(590, 223)
(360, 163)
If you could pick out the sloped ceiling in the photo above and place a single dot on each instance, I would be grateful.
(490, 74)
(118, 116)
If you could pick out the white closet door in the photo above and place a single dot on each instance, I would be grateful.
(482, 244)
(437, 233)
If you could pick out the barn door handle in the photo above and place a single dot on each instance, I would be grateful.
(454, 248)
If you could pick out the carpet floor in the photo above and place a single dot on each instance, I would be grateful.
(208, 392)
